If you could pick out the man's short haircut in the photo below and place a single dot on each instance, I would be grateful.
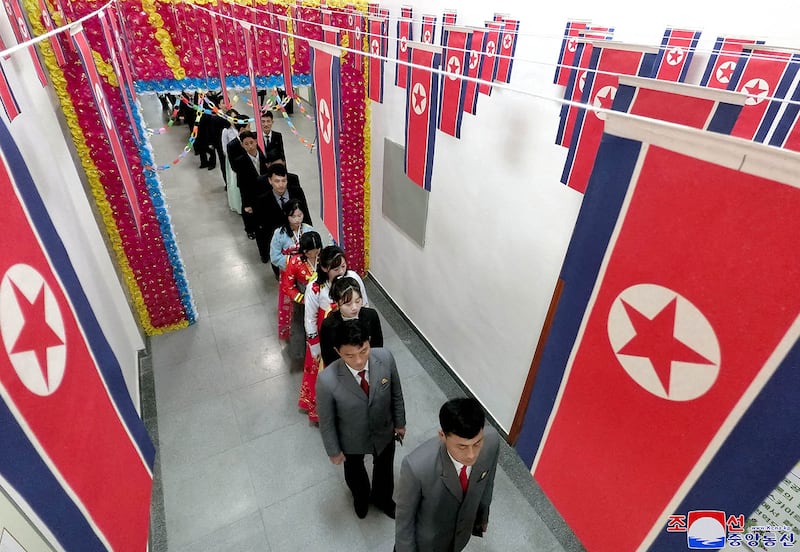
(248, 134)
(267, 114)
(351, 332)
(463, 417)
(276, 169)
(274, 155)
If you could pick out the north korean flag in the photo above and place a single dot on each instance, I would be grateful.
(668, 356)
(787, 131)
(428, 29)
(47, 21)
(285, 58)
(684, 104)
(115, 62)
(477, 43)
(422, 104)
(75, 451)
(568, 48)
(721, 64)
(325, 74)
(765, 74)
(356, 21)
(489, 58)
(456, 59)
(608, 62)
(377, 47)
(407, 12)
(248, 43)
(9, 101)
(404, 35)
(449, 17)
(574, 88)
(675, 54)
(118, 152)
(508, 46)
(330, 35)
(20, 27)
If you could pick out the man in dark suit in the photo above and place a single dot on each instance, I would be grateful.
(273, 141)
(248, 167)
(276, 189)
(361, 411)
(446, 483)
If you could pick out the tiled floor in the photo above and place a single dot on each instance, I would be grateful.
(240, 468)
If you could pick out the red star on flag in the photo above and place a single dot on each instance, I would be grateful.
(36, 334)
(655, 339)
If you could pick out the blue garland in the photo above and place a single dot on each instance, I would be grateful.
(163, 218)
(174, 86)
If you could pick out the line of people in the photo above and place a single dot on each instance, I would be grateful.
(350, 386)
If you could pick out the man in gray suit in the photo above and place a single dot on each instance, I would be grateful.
(446, 483)
(361, 411)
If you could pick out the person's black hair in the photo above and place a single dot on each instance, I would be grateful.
(342, 289)
(276, 169)
(330, 257)
(248, 134)
(268, 114)
(274, 156)
(288, 208)
(463, 417)
(308, 241)
(351, 332)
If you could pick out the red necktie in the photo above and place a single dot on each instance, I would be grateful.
(364, 382)
(462, 477)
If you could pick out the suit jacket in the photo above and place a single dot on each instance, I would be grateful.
(275, 143)
(267, 209)
(247, 177)
(433, 514)
(351, 422)
(328, 330)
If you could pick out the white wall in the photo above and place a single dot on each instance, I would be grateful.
(499, 220)
(38, 135)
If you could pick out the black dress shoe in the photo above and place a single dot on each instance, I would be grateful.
(361, 508)
(389, 508)
(203, 165)
(251, 235)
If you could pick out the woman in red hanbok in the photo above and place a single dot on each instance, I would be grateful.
(300, 271)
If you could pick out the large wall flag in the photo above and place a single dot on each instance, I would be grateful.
(118, 152)
(684, 104)
(569, 46)
(608, 61)
(23, 34)
(330, 35)
(675, 341)
(675, 54)
(489, 61)
(787, 131)
(477, 43)
(456, 59)
(404, 35)
(765, 74)
(726, 54)
(377, 47)
(75, 451)
(218, 53)
(428, 29)
(286, 59)
(325, 74)
(508, 46)
(422, 104)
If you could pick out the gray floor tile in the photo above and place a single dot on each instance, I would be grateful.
(288, 461)
(207, 496)
(188, 382)
(192, 342)
(244, 535)
(266, 406)
(254, 361)
(319, 518)
(198, 432)
(245, 325)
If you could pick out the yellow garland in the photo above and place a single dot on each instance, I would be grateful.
(164, 39)
(93, 177)
(105, 69)
(290, 32)
(367, 160)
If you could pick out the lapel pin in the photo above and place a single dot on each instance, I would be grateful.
(483, 475)
(384, 381)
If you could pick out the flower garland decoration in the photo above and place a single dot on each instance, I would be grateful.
(144, 259)
(164, 39)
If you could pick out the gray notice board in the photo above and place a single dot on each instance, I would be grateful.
(404, 203)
